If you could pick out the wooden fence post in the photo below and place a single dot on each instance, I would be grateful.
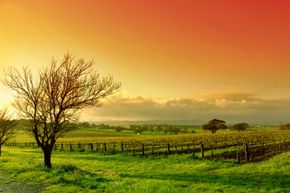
(70, 146)
(114, 146)
(238, 156)
(247, 153)
(168, 148)
(202, 150)
(105, 147)
(193, 149)
(143, 149)
(92, 147)
(122, 147)
(80, 146)
(227, 152)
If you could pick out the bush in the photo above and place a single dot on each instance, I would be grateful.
(240, 126)
(119, 128)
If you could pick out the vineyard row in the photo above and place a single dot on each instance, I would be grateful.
(241, 152)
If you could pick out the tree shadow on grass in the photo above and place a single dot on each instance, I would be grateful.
(72, 175)
(253, 180)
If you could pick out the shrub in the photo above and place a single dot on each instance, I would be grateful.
(240, 126)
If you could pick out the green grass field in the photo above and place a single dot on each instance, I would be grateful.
(22, 171)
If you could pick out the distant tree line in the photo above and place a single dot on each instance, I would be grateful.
(285, 126)
(215, 124)
(139, 129)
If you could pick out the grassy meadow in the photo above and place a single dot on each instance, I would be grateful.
(22, 171)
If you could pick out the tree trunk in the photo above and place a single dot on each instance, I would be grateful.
(47, 158)
(0, 149)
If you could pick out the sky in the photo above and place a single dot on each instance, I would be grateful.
(186, 59)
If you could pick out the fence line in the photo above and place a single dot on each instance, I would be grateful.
(241, 152)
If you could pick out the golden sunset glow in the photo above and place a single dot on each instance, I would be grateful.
(229, 57)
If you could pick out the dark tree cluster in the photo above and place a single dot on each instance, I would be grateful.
(138, 129)
(215, 124)
(165, 128)
(285, 126)
(240, 126)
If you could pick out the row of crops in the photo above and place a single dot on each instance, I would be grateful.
(240, 146)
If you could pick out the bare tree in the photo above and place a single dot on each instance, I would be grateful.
(6, 128)
(55, 95)
(214, 125)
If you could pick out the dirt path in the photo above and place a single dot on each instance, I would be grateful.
(9, 185)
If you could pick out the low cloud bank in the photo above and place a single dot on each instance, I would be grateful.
(233, 107)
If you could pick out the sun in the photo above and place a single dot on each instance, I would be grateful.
(6, 97)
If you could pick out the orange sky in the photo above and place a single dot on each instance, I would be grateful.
(163, 48)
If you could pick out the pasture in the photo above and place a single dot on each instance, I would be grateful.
(83, 169)
(22, 171)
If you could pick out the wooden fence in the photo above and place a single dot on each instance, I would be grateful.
(235, 151)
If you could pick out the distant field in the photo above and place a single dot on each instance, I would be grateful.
(90, 133)
(94, 133)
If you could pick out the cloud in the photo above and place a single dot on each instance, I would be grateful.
(233, 107)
